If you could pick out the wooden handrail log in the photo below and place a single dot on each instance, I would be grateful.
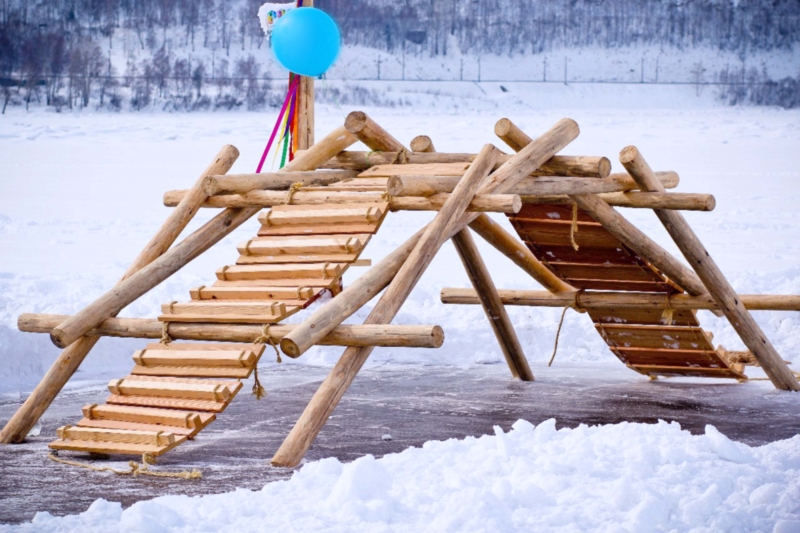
(560, 165)
(530, 186)
(274, 181)
(489, 203)
(622, 300)
(640, 200)
(342, 335)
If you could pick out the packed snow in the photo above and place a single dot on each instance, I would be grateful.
(614, 478)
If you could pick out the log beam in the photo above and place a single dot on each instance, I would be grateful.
(274, 181)
(371, 134)
(527, 187)
(492, 305)
(76, 350)
(343, 335)
(486, 203)
(559, 165)
(712, 277)
(623, 300)
(640, 200)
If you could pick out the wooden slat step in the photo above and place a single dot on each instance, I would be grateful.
(169, 403)
(217, 292)
(642, 316)
(208, 358)
(136, 426)
(621, 285)
(230, 311)
(168, 418)
(352, 185)
(170, 388)
(112, 448)
(604, 271)
(333, 214)
(315, 283)
(586, 254)
(658, 370)
(148, 438)
(320, 271)
(329, 244)
(557, 233)
(550, 212)
(667, 337)
(294, 259)
(414, 169)
(652, 356)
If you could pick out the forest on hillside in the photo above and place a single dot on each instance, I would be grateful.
(75, 52)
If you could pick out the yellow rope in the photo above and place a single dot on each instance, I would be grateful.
(264, 338)
(296, 186)
(574, 228)
(668, 312)
(574, 305)
(136, 469)
(165, 338)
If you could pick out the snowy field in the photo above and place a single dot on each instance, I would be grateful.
(82, 194)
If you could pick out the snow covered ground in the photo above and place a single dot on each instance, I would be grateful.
(533, 478)
(82, 194)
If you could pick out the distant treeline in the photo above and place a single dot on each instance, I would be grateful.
(201, 54)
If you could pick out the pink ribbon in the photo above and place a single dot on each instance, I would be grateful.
(289, 94)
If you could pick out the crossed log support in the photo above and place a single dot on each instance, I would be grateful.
(489, 176)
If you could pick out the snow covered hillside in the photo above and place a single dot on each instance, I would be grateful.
(82, 194)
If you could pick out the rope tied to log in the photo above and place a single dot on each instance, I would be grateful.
(136, 469)
(576, 305)
(264, 338)
(668, 311)
(296, 186)
(165, 338)
(574, 228)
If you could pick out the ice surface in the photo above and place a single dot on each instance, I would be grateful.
(621, 478)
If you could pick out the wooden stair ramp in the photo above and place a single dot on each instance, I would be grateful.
(300, 252)
(173, 392)
(645, 340)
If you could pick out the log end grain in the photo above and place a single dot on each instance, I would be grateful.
(628, 154)
(503, 127)
(604, 167)
(290, 348)
(437, 334)
(355, 122)
(422, 143)
(57, 338)
(711, 203)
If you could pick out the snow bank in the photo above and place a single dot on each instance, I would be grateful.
(614, 478)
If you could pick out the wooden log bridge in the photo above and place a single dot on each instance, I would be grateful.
(321, 212)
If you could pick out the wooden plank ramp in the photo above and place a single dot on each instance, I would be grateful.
(647, 341)
(175, 390)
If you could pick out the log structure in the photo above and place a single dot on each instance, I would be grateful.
(317, 217)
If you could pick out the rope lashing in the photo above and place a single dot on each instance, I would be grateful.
(574, 228)
(325, 270)
(576, 304)
(668, 311)
(165, 338)
(296, 186)
(136, 469)
(370, 153)
(264, 338)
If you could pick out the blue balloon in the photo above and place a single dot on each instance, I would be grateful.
(306, 41)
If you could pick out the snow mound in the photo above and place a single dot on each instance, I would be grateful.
(612, 478)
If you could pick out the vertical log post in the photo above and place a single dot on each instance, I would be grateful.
(305, 107)
(712, 277)
(492, 305)
(68, 361)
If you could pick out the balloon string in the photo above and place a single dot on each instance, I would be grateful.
(292, 88)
